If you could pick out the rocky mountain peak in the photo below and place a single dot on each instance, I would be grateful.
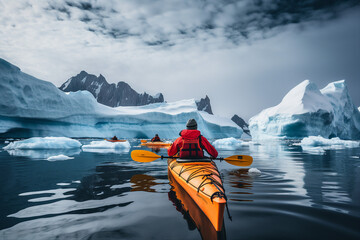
(204, 105)
(241, 123)
(112, 95)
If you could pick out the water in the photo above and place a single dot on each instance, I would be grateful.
(100, 195)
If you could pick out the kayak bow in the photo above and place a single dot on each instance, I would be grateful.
(202, 181)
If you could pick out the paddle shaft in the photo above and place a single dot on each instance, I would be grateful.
(162, 157)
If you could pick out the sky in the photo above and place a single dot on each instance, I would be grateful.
(244, 54)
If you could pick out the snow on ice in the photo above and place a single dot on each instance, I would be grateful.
(78, 114)
(307, 111)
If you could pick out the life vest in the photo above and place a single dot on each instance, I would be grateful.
(191, 148)
(156, 139)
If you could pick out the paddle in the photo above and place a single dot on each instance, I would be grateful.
(143, 141)
(147, 156)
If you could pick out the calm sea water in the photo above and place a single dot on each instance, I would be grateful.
(106, 195)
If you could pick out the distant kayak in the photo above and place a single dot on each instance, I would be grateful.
(155, 144)
(119, 140)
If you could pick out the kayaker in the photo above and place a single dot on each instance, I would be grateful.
(114, 138)
(191, 144)
(156, 138)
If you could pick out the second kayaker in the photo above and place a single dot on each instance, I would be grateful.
(156, 138)
(191, 144)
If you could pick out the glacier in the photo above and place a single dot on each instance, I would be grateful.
(32, 107)
(307, 111)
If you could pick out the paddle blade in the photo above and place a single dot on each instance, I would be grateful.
(239, 160)
(144, 156)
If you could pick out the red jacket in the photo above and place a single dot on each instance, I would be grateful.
(191, 134)
(156, 139)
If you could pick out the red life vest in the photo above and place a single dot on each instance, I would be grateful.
(191, 148)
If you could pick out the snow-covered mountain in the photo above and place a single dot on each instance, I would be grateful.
(32, 107)
(112, 95)
(308, 111)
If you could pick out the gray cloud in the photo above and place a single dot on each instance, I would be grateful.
(244, 54)
(158, 22)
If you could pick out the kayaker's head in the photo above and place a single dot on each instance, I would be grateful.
(156, 135)
(191, 124)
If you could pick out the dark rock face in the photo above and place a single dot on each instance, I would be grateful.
(241, 123)
(112, 95)
(204, 105)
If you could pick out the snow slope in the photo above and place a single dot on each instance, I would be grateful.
(308, 111)
(32, 107)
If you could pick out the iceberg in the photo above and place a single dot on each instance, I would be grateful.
(44, 143)
(227, 144)
(254, 172)
(307, 111)
(32, 107)
(107, 147)
(60, 157)
(318, 141)
(318, 145)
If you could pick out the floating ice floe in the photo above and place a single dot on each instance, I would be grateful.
(318, 144)
(227, 143)
(317, 141)
(43, 154)
(254, 171)
(59, 158)
(44, 143)
(232, 143)
(107, 147)
(63, 184)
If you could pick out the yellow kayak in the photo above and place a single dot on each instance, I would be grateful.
(156, 144)
(202, 181)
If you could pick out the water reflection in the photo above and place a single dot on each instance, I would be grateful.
(108, 180)
(240, 179)
(43, 154)
(143, 182)
(192, 213)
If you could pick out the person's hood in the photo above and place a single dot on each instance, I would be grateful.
(190, 134)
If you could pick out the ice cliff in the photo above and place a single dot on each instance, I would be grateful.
(32, 107)
(307, 111)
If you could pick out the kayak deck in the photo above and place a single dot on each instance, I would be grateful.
(203, 183)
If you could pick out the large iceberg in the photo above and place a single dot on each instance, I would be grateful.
(32, 107)
(308, 111)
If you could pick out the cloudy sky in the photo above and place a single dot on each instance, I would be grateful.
(245, 55)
